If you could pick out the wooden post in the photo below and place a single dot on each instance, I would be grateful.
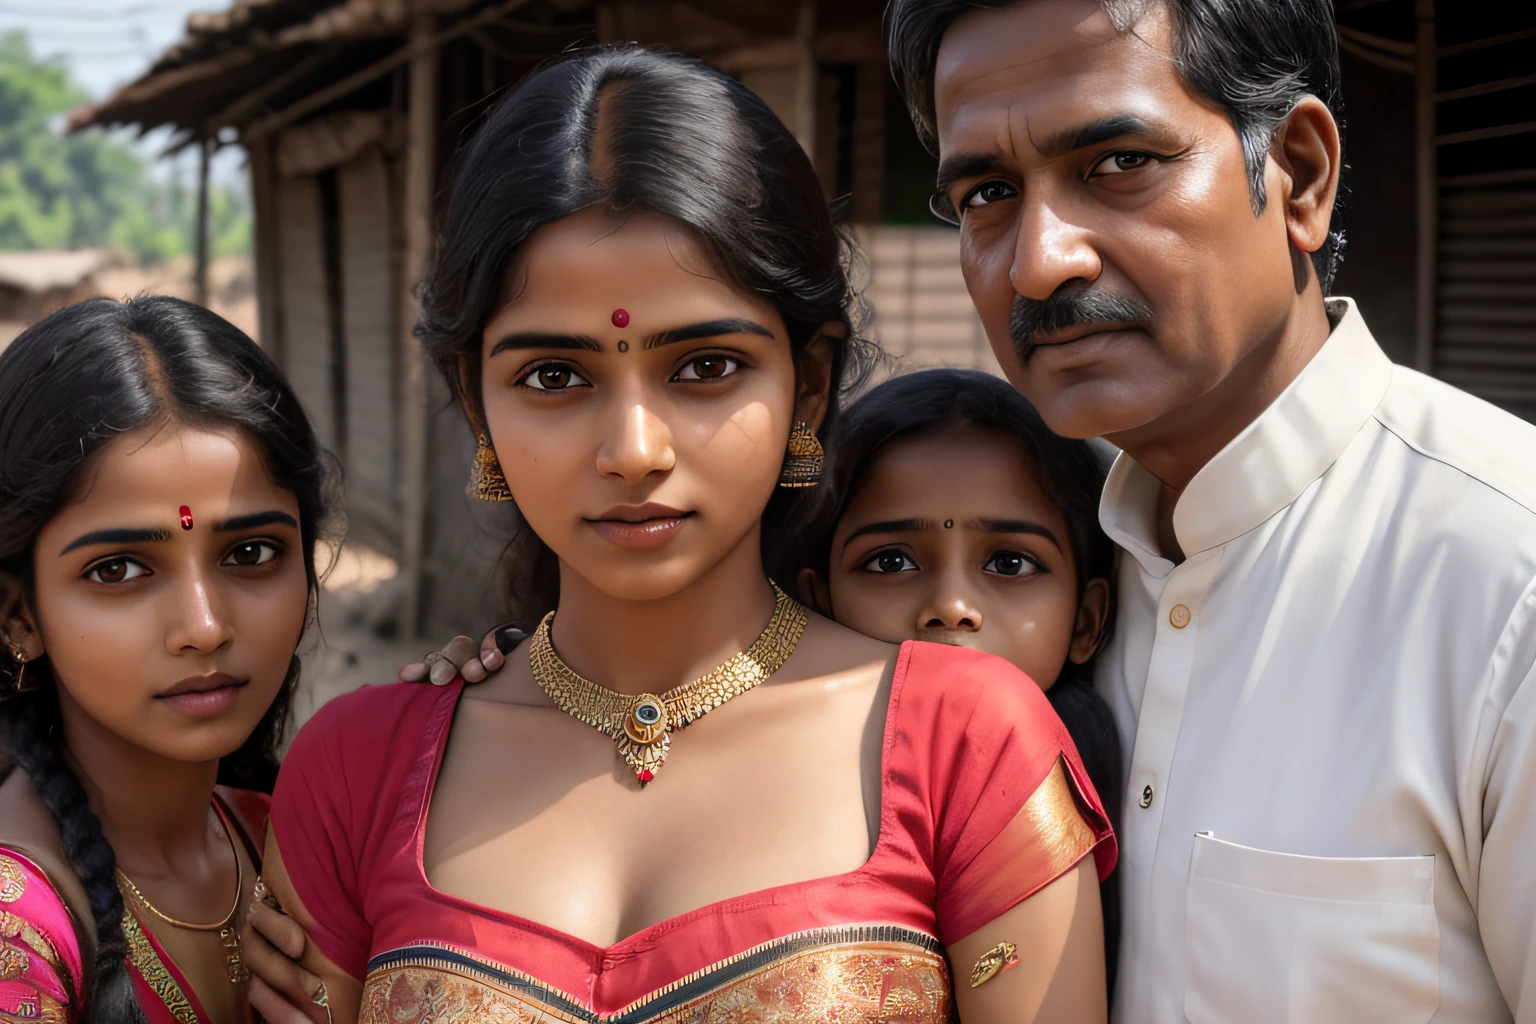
(200, 243)
(805, 77)
(420, 185)
(1427, 171)
(268, 261)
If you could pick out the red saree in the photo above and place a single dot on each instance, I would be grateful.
(983, 802)
(42, 972)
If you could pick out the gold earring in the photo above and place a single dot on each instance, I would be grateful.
(803, 459)
(18, 656)
(486, 482)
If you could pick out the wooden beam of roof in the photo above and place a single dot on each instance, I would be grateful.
(1370, 56)
(309, 104)
(1479, 44)
(1394, 46)
(252, 101)
(149, 88)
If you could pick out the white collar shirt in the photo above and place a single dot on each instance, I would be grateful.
(1328, 711)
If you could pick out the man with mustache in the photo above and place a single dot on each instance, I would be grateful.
(1324, 655)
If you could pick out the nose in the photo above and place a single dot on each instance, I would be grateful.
(950, 607)
(640, 445)
(1050, 250)
(201, 623)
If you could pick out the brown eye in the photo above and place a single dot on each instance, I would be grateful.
(552, 377)
(115, 570)
(889, 561)
(1010, 563)
(709, 368)
(253, 552)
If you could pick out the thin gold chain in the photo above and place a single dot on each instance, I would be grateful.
(217, 926)
(607, 710)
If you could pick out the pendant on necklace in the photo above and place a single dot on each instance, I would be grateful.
(234, 965)
(646, 740)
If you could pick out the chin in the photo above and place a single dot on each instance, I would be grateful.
(1097, 409)
(647, 580)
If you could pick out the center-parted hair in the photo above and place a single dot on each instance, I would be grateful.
(622, 129)
(1252, 58)
(69, 385)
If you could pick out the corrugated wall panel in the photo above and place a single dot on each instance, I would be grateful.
(922, 313)
(1485, 332)
(305, 317)
(369, 337)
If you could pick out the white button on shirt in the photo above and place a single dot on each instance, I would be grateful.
(1329, 713)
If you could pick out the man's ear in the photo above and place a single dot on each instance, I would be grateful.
(815, 374)
(1092, 617)
(814, 592)
(1308, 153)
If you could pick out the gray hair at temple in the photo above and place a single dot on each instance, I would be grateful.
(1253, 58)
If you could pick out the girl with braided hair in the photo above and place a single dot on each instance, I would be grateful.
(161, 494)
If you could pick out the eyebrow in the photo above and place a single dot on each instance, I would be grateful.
(1014, 526)
(121, 535)
(969, 165)
(888, 526)
(708, 329)
(964, 165)
(541, 339)
(255, 519)
(1093, 133)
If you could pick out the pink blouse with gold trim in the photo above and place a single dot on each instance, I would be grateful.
(42, 970)
(983, 803)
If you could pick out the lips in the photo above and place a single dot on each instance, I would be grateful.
(203, 696)
(1078, 332)
(1081, 346)
(639, 527)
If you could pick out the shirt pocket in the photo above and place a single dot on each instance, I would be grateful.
(1276, 938)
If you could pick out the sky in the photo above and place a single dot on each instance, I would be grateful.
(107, 44)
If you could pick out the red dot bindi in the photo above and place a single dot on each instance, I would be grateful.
(621, 318)
(186, 517)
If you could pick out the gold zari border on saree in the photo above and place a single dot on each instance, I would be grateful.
(143, 956)
(432, 982)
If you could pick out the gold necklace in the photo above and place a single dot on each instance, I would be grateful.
(229, 932)
(641, 726)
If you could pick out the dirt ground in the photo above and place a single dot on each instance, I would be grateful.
(231, 289)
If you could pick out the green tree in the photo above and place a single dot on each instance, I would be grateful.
(62, 191)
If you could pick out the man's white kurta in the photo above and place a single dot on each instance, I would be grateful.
(1328, 711)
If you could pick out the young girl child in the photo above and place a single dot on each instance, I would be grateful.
(640, 301)
(161, 493)
(958, 517)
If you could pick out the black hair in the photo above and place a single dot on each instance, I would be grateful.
(1072, 476)
(71, 383)
(1253, 58)
(681, 139)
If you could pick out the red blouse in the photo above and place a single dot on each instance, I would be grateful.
(983, 803)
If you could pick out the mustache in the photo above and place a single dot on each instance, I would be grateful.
(1071, 307)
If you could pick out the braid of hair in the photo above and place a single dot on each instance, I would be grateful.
(33, 734)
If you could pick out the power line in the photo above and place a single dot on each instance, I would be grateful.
(87, 14)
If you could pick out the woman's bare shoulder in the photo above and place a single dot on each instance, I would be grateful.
(829, 649)
(30, 831)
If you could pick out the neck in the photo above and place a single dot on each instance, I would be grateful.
(1175, 447)
(651, 646)
(153, 810)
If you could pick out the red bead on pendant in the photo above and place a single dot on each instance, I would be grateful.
(645, 775)
(621, 318)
